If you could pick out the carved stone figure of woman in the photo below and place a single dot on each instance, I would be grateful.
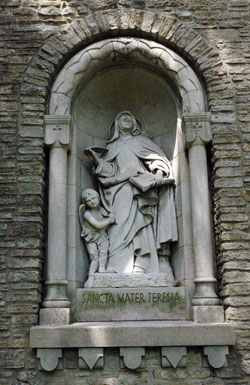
(136, 185)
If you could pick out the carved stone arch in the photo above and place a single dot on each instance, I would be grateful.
(94, 27)
(100, 55)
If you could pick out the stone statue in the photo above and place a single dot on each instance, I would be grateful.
(95, 221)
(137, 186)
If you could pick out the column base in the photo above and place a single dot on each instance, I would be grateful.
(56, 295)
(205, 294)
(54, 316)
(210, 314)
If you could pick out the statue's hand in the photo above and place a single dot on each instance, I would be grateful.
(111, 218)
(84, 232)
(93, 157)
(159, 177)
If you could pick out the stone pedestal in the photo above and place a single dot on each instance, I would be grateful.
(131, 304)
(130, 297)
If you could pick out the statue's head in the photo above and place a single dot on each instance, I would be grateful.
(90, 198)
(125, 123)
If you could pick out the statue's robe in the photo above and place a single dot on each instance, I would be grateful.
(145, 221)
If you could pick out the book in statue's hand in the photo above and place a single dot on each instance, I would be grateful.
(99, 150)
(146, 181)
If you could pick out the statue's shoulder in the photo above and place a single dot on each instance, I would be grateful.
(112, 148)
(143, 139)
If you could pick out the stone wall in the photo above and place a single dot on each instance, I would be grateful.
(196, 373)
(37, 38)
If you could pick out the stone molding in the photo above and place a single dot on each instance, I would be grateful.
(102, 54)
(173, 339)
(57, 130)
(90, 358)
(131, 334)
(216, 355)
(49, 358)
(132, 357)
(197, 129)
(174, 356)
(162, 27)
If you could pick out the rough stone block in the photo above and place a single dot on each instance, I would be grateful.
(54, 316)
(211, 314)
(12, 359)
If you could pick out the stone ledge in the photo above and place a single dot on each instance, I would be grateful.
(108, 280)
(131, 334)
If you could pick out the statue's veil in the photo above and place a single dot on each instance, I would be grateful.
(136, 130)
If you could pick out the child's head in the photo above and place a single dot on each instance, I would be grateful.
(90, 198)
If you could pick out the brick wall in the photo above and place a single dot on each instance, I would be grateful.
(36, 38)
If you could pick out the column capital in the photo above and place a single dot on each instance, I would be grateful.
(197, 129)
(58, 130)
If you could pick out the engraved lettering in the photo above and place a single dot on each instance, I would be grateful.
(177, 298)
(100, 298)
(121, 298)
(110, 298)
(142, 299)
(137, 298)
(169, 297)
(155, 297)
(89, 299)
(83, 298)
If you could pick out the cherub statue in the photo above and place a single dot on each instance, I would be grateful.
(94, 222)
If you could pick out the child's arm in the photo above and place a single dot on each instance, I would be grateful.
(98, 225)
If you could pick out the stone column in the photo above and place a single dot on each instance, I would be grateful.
(57, 137)
(198, 134)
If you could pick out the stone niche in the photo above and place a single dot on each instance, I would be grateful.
(129, 310)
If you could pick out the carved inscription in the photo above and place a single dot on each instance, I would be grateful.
(120, 304)
(123, 298)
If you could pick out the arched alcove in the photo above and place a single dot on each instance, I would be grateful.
(159, 88)
(165, 95)
(146, 88)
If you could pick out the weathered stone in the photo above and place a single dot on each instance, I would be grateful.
(169, 374)
(38, 25)
(49, 11)
(12, 359)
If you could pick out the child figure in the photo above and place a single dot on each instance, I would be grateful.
(95, 221)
